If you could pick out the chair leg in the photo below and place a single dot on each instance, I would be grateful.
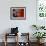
(5, 43)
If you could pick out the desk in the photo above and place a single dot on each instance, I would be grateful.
(8, 34)
(17, 43)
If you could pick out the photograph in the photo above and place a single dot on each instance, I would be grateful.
(17, 13)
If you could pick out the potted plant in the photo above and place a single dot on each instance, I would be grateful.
(39, 36)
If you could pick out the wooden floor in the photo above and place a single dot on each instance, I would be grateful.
(13, 44)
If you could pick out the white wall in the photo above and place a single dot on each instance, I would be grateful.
(24, 25)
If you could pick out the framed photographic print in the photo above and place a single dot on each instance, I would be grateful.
(17, 13)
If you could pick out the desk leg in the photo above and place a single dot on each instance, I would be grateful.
(5, 40)
(17, 40)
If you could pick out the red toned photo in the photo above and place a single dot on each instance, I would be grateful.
(18, 13)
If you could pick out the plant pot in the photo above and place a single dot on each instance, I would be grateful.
(42, 40)
(38, 40)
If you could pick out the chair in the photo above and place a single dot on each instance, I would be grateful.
(24, 36)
